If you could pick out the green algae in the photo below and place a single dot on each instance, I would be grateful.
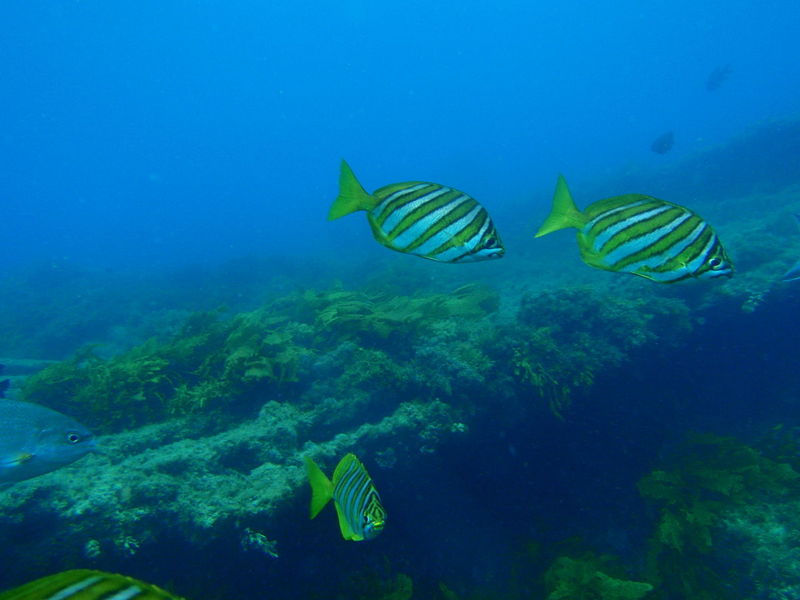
(707, 478)
(217, 360)
(585, 579)
(564, 339)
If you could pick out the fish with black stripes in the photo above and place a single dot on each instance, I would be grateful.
(358, 505)
(86, 584)
(642, 235)
(429, 220)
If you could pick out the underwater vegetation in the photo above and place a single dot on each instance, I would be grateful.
(323, 345)
(563, 339)
(586, 578)
(341, 341)
(704, 482)
(209, 426)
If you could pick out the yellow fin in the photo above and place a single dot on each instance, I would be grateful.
(321, 487)
(352, 196)
(344, 526)
(564, 212)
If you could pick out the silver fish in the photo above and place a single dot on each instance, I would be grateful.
(35, 440)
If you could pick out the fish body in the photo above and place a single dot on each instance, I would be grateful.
(358, 505)
(642, 235)
(717, 77)
(35, 440)
(429, 220)
(85, 584)
(663, 143)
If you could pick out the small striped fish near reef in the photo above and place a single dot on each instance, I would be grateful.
(35, 440)
(85, 584)
(642, 235)
(426, 219)
(358, 505)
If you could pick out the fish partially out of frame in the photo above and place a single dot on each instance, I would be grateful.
(85, 584)
(35, 440)
(426, 219)
(639, 234)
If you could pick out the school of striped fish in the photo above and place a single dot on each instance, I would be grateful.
(631, 233)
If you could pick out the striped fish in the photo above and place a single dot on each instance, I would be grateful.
(84, 584)
(638, 234)
(427, 219)
(361, 514)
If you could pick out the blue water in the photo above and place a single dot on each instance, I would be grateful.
(162, 157)
(159, 133)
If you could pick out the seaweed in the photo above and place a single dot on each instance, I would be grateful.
(216, 360)
(585, 578)
(707, 477)
(562, 340)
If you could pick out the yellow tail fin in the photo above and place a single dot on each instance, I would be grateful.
(352, 196)
(564, 212)
(321, 487)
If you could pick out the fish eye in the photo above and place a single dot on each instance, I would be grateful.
(73, 437)
(491, 242)
(715, 262)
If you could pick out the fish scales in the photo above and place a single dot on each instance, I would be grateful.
(641, 235)
(425, 219)
(353, 490)
(85, 584)
(358, 504)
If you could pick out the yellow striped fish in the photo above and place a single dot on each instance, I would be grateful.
(426, 219)
(642, 235)
(361, 514)
(85, 584)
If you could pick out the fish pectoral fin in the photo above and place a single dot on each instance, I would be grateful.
(16, 460)
(347, 531)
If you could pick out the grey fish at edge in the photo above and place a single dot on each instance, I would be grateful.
(35, 440)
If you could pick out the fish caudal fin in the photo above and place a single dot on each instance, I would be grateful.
(564, 212)
(321, 487)
(352, 196)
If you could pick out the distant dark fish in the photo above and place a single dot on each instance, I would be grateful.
(642, 235)
(35, 440)
(793, 274)
(663, 143)
(717, 77)
(84, 584)
(427, 219)
(358, 505)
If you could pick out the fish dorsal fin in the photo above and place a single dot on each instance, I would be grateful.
(321, 487)
(564, 212)
(352, 196)
(348, 461)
